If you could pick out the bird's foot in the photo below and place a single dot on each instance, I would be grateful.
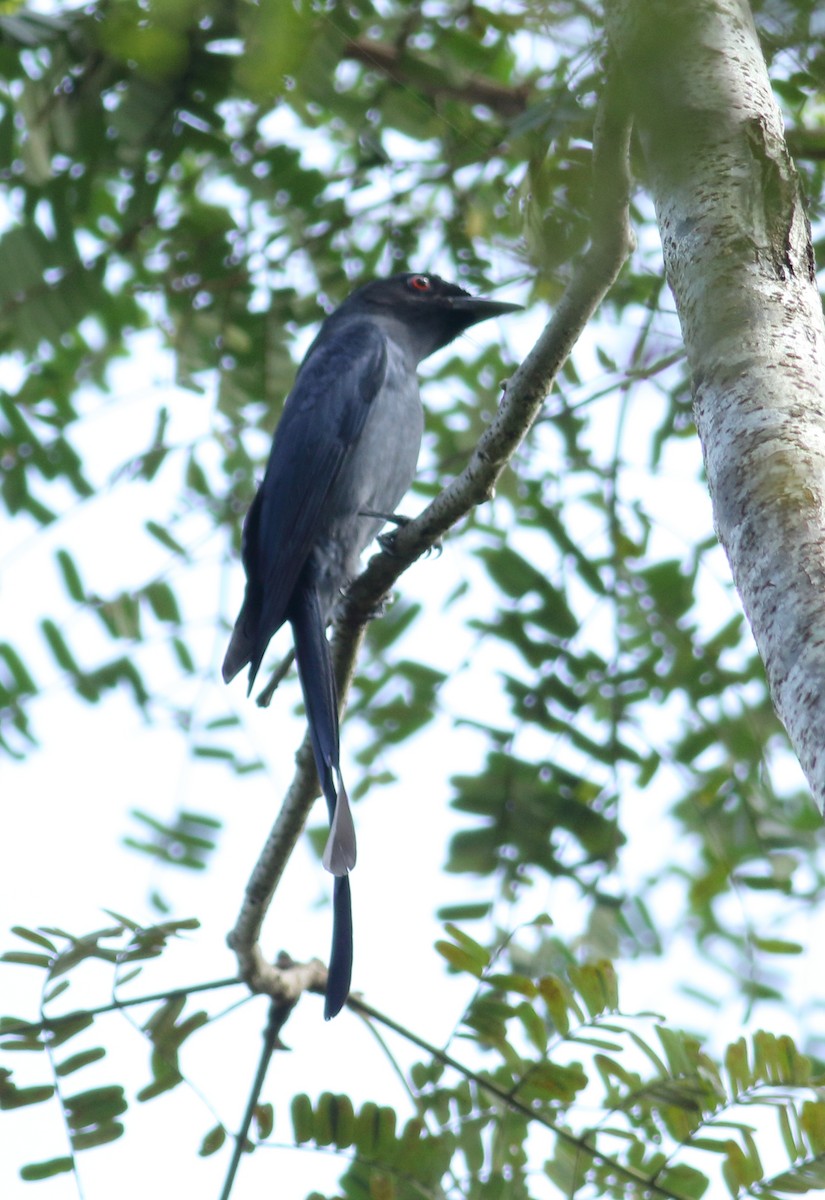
(387, 540)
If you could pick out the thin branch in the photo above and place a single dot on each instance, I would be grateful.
(806, 143)
(61, 1105)
(646, 1185)
(521, 404)
(277, 1018)
(276, 678)
(9, 1029)
(403, 68)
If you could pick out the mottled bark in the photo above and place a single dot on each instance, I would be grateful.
(740, 264)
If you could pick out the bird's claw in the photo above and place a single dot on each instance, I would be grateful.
(387, 540)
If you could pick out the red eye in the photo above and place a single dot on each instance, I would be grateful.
(420, 283)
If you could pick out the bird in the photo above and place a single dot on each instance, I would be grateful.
(343, 455)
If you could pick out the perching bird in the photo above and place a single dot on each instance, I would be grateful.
(344, 452)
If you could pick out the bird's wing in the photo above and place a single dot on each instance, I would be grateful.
(322, 420)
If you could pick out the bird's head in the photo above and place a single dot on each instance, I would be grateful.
(431, 310)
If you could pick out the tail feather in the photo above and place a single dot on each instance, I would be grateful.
(318, 685)
(320, 697)
(239, 650)
(340, 958)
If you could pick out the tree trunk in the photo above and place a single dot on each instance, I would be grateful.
(739, 261)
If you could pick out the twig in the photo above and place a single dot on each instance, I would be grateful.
(13, 1028)
(278, 1016)
(404, 68)
(281, 671)
(646, 1185)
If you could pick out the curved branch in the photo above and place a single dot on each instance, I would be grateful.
(402, 68)
(521, 404)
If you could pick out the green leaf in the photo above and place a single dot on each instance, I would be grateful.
(101, 1135)
(534, 1027)
(33, 1172)
(213, 1141)
(71, 576)
(25, 958)
(595, 983)
(162, 535)
(458, 958)
(60, 650)
(463, 912)
(31, 935)
(554, 1081)
(467, 955)
(77, 1061)
(512, 983)
(163, 603)
(53, 992)
(777, 946)
(366, 1129)
(15, 1097)
(265, 1119)
(23, 681)
(94, 1108)
(62, 1029)
(670, 587)
(559, 1000)
(812, 1124)
(303, 1118)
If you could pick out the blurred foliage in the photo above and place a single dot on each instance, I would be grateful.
(667, 1104)
(219, 173)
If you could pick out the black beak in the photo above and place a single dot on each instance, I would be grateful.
(474, 309)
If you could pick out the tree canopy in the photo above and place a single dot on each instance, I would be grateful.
(570, 693)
